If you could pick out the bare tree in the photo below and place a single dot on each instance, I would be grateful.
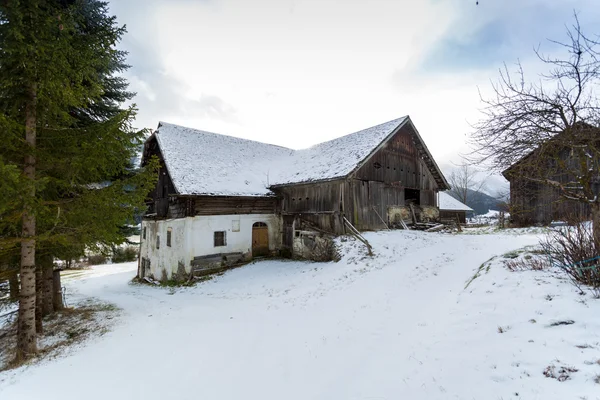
(464, 182)
(547, 129)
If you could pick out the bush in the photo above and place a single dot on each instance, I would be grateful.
(97, 259)
(573, 249)
(125, 254)
(527, 264)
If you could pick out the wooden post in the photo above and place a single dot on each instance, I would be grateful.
(458, 223)
(413, 215)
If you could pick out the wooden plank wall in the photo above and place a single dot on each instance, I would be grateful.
(398, 162)
(381, 182)
(221, 205)
(158, 198)
(311, 197)
(533, 203)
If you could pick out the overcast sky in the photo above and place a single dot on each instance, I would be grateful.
(298, 72)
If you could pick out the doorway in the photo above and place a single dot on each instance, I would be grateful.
(412, 196)
(260, 239)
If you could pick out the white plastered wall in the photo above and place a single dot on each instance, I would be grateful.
(194, 236)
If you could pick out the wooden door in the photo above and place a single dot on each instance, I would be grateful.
(260, 239)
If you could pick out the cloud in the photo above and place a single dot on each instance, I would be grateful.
(160, 94)
(491, 33)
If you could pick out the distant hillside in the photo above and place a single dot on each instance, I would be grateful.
(480, 202)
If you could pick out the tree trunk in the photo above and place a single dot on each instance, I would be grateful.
(596, 224)
(39, 298)
(26, 336)
(13, 286)
(58, 297)
(48, 286)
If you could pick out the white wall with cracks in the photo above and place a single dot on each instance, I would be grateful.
(195, 237)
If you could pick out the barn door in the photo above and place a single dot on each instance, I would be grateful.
(260, 239)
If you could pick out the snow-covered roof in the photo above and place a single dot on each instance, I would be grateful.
(208, 163)
(205, 163)
(448, 202)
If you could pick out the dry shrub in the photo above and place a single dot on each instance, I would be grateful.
(324, 250)
(97, 259)
(527, 264)
(572, 248)
(125, 254)
(561, 374)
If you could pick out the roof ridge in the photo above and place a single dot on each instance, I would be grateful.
(200, 131)
(400, 119)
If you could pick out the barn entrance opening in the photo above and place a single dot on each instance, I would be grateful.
(260, 239)
(412, 196)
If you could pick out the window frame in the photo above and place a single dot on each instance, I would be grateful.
(169, 236)
(220, 238)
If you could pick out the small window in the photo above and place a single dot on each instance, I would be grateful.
(169, 237)
(158, 241)
(377, 165)
(144, 233)
(220, 238)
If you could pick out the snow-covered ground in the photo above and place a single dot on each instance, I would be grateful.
(400, 325)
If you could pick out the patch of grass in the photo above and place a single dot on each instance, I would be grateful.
(585, 346)
(527, 264)
(485, 266)
(503, 329)
(561, 374)
(512, 254)
(565, 322)
(61, 330)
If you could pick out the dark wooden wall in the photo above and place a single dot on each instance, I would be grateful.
(398, 163)
(190, 206)
(451, 215)
(364, 197)
(158, 198)
(535, 203)
(382, 182)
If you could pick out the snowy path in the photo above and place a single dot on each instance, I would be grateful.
(399, 325)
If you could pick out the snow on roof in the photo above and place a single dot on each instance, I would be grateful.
(448, 202)
(335, 158)
(207, 163)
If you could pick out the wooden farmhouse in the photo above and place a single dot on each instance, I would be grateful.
(532, 201)
(221, 199)
(452, 209)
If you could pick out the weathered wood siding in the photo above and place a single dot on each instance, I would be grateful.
(191, 206)
(324, 197)
(222, 205)
(398, 163)
(158, 198)
(535, 203)
(451, 215)
(318, 203)
(381, 182)
(365, 196)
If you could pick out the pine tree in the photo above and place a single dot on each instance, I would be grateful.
(58, 90)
